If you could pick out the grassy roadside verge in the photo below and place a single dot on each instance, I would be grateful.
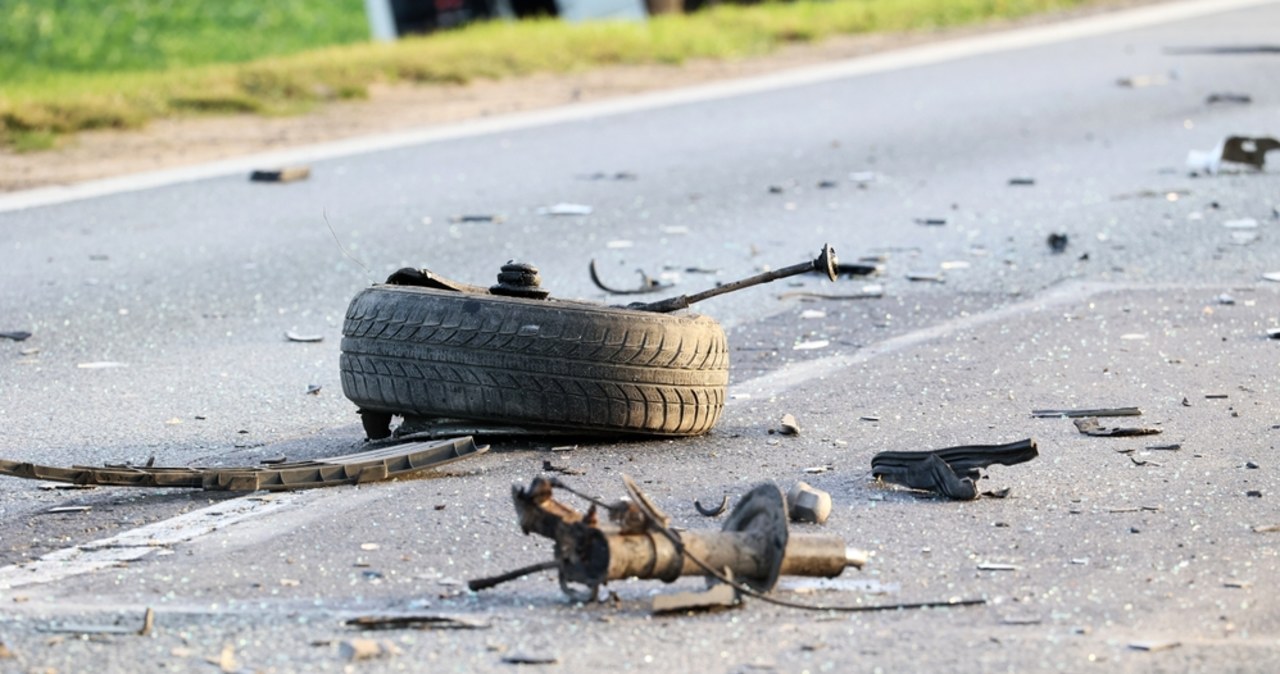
(36, 111)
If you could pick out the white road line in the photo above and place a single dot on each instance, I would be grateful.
(793, 375)
(878, 63)
(140, 542)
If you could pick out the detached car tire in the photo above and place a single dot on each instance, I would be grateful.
(537, 362)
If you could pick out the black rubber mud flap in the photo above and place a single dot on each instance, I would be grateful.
(551, 363)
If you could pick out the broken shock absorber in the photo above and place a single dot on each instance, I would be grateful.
(754, 547)
(825, 263)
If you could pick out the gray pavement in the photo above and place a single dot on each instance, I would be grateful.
(192, 286)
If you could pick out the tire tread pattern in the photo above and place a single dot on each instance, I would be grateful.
(538, 362)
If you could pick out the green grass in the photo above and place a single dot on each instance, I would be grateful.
(74, 65)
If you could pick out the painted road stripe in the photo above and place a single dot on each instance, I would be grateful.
(878, 63)
(138, 543)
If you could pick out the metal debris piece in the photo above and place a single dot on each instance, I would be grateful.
(434, 428)
(1022, 181)
(1171, 447)
(1058, 242)
(714, 598)
(477, 217)
(648, 284)
(808, 504)
(824, 468)
(825, 262)
(1266, 528)
(416, 621)
(1091, 426)
(69, 509)
(951, 471)
(1100, 412)
(1154, 645)
(548, 467)
(788, 425)
(996, 566)
(636, 541)
(16, 335)
(826, 184)
(359, 468)
(565, 209)
(925, 276)
(1233, 150)
(1021, 620)
(298, 337)
(1273, 333)
(933, 222)
(522, 658)
(1254, 493)
(1241, 223)
(282, 175)
(712, 512)
(1237, 584)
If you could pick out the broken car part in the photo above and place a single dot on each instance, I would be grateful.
(648, 284)
(754, 543)
(807, 504)
(1075, 413)
(712, 512)
(1091, 426)
(511, 355)
(1234, 150)
(749, 554)
(825, 262)
(952, 471)
(425, 346)
(371, 466)
(415, 621)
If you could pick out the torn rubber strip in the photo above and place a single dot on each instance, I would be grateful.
(950, 471)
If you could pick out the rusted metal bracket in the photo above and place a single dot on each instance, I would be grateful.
(371, 466)
(754, 546)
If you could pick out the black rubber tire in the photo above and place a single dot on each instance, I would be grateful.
(552, 363)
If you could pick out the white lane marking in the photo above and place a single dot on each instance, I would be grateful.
(877, 63)
(140, 542)
(793, 375)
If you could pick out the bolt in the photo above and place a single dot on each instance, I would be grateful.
(807, 504)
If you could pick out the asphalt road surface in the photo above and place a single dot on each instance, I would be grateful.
(182, 295)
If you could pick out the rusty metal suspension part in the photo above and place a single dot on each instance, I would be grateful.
(371, 466)
(754, 545)
(520, 279)
(825, 263)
